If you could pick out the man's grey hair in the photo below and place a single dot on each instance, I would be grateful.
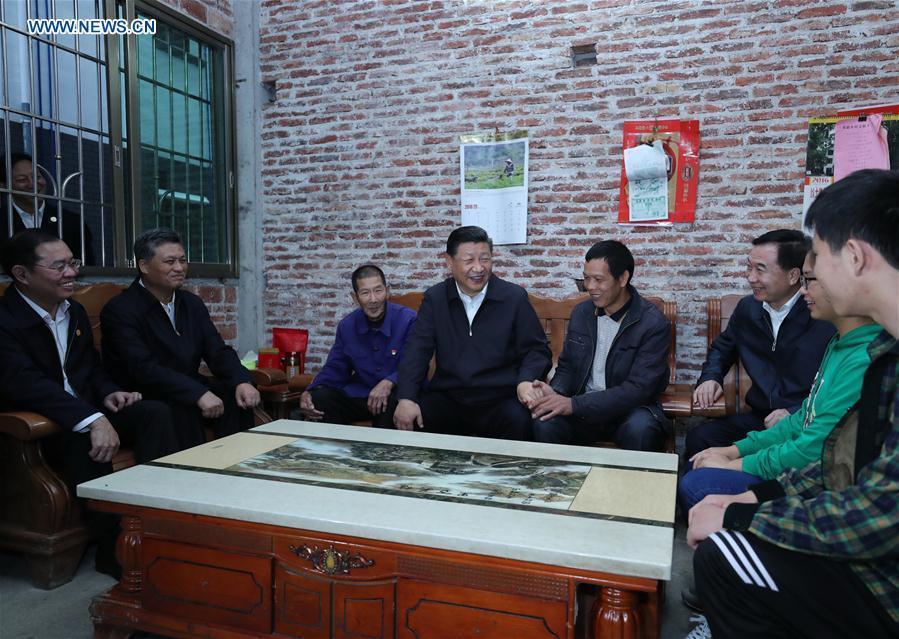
(147, 242)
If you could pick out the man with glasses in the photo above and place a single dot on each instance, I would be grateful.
(31, 211)
(50, 366)
(155, 334)
(358, 381)
(772, 333)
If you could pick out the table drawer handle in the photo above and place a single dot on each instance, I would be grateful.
(330, 560)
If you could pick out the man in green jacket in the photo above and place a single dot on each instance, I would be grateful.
(795, 440)
(815, 553)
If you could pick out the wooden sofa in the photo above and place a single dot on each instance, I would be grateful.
(736, 382)
(39, 514)
(554, 315)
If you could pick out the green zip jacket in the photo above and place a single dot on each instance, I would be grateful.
(796, 440)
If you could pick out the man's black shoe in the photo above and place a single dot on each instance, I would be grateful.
(691, 599)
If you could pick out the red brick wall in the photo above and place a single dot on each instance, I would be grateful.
(217, 15)
(360, 147)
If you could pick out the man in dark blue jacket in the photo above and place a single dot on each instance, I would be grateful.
(489, 347)
(613, 366)
(772, 333)
(359, 379)
(154, 336)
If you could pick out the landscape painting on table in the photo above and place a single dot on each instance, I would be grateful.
(422, 472)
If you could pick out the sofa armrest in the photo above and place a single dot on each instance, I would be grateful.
(718, 409)
(26, 426)
(677, 400)
(299, 383)
(268, 376)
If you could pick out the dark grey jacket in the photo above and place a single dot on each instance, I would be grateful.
(636, 368)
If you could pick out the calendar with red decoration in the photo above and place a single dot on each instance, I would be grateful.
(680, 142)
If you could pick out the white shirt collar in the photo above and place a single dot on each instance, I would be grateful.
(784, 310)
(168, 307)
(779, 315)
(477, 298)
(43, 313)
(27, 218)
(472, 303)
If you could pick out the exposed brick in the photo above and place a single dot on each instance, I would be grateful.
(360, 158)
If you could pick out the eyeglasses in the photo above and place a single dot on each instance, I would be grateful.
(803, 281)
(60, 267)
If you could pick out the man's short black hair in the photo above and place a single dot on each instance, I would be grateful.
(366, 270)
(618, 257)
(147, 242)
(21, 248)
(465, 234)
(791, 247)
(14, 158)
(863, 205)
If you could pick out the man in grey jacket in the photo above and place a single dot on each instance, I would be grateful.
(613, 366)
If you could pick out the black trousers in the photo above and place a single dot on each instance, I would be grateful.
(501, 418)
(752, 589)
(190, 423)
(642, 428)
(721, 432)
(147, 427)
(340, 408)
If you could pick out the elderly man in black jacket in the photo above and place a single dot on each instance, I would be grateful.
(613, 366)
(489, 347)
(155, 335)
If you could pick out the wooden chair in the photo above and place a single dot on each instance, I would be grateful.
(39, 514)
(736, 382)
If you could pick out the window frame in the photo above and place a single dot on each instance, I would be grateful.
(126, 202)
(225, 93)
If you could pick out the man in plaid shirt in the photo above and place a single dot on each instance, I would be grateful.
(815, 553)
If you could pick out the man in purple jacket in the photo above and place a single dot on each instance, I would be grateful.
(358, 380)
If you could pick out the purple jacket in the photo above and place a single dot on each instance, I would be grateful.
(362, 356)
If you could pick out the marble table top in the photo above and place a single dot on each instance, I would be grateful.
(581, 507)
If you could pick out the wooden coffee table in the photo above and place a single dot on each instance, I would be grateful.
(315, 530)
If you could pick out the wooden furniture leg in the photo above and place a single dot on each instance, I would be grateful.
(128, 554)
(615, 615)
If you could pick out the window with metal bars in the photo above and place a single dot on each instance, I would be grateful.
(98, 152)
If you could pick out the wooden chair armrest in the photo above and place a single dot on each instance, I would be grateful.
(299, 383)
(718, 409)
(677, 400)
(26, 426)
(268, 376)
